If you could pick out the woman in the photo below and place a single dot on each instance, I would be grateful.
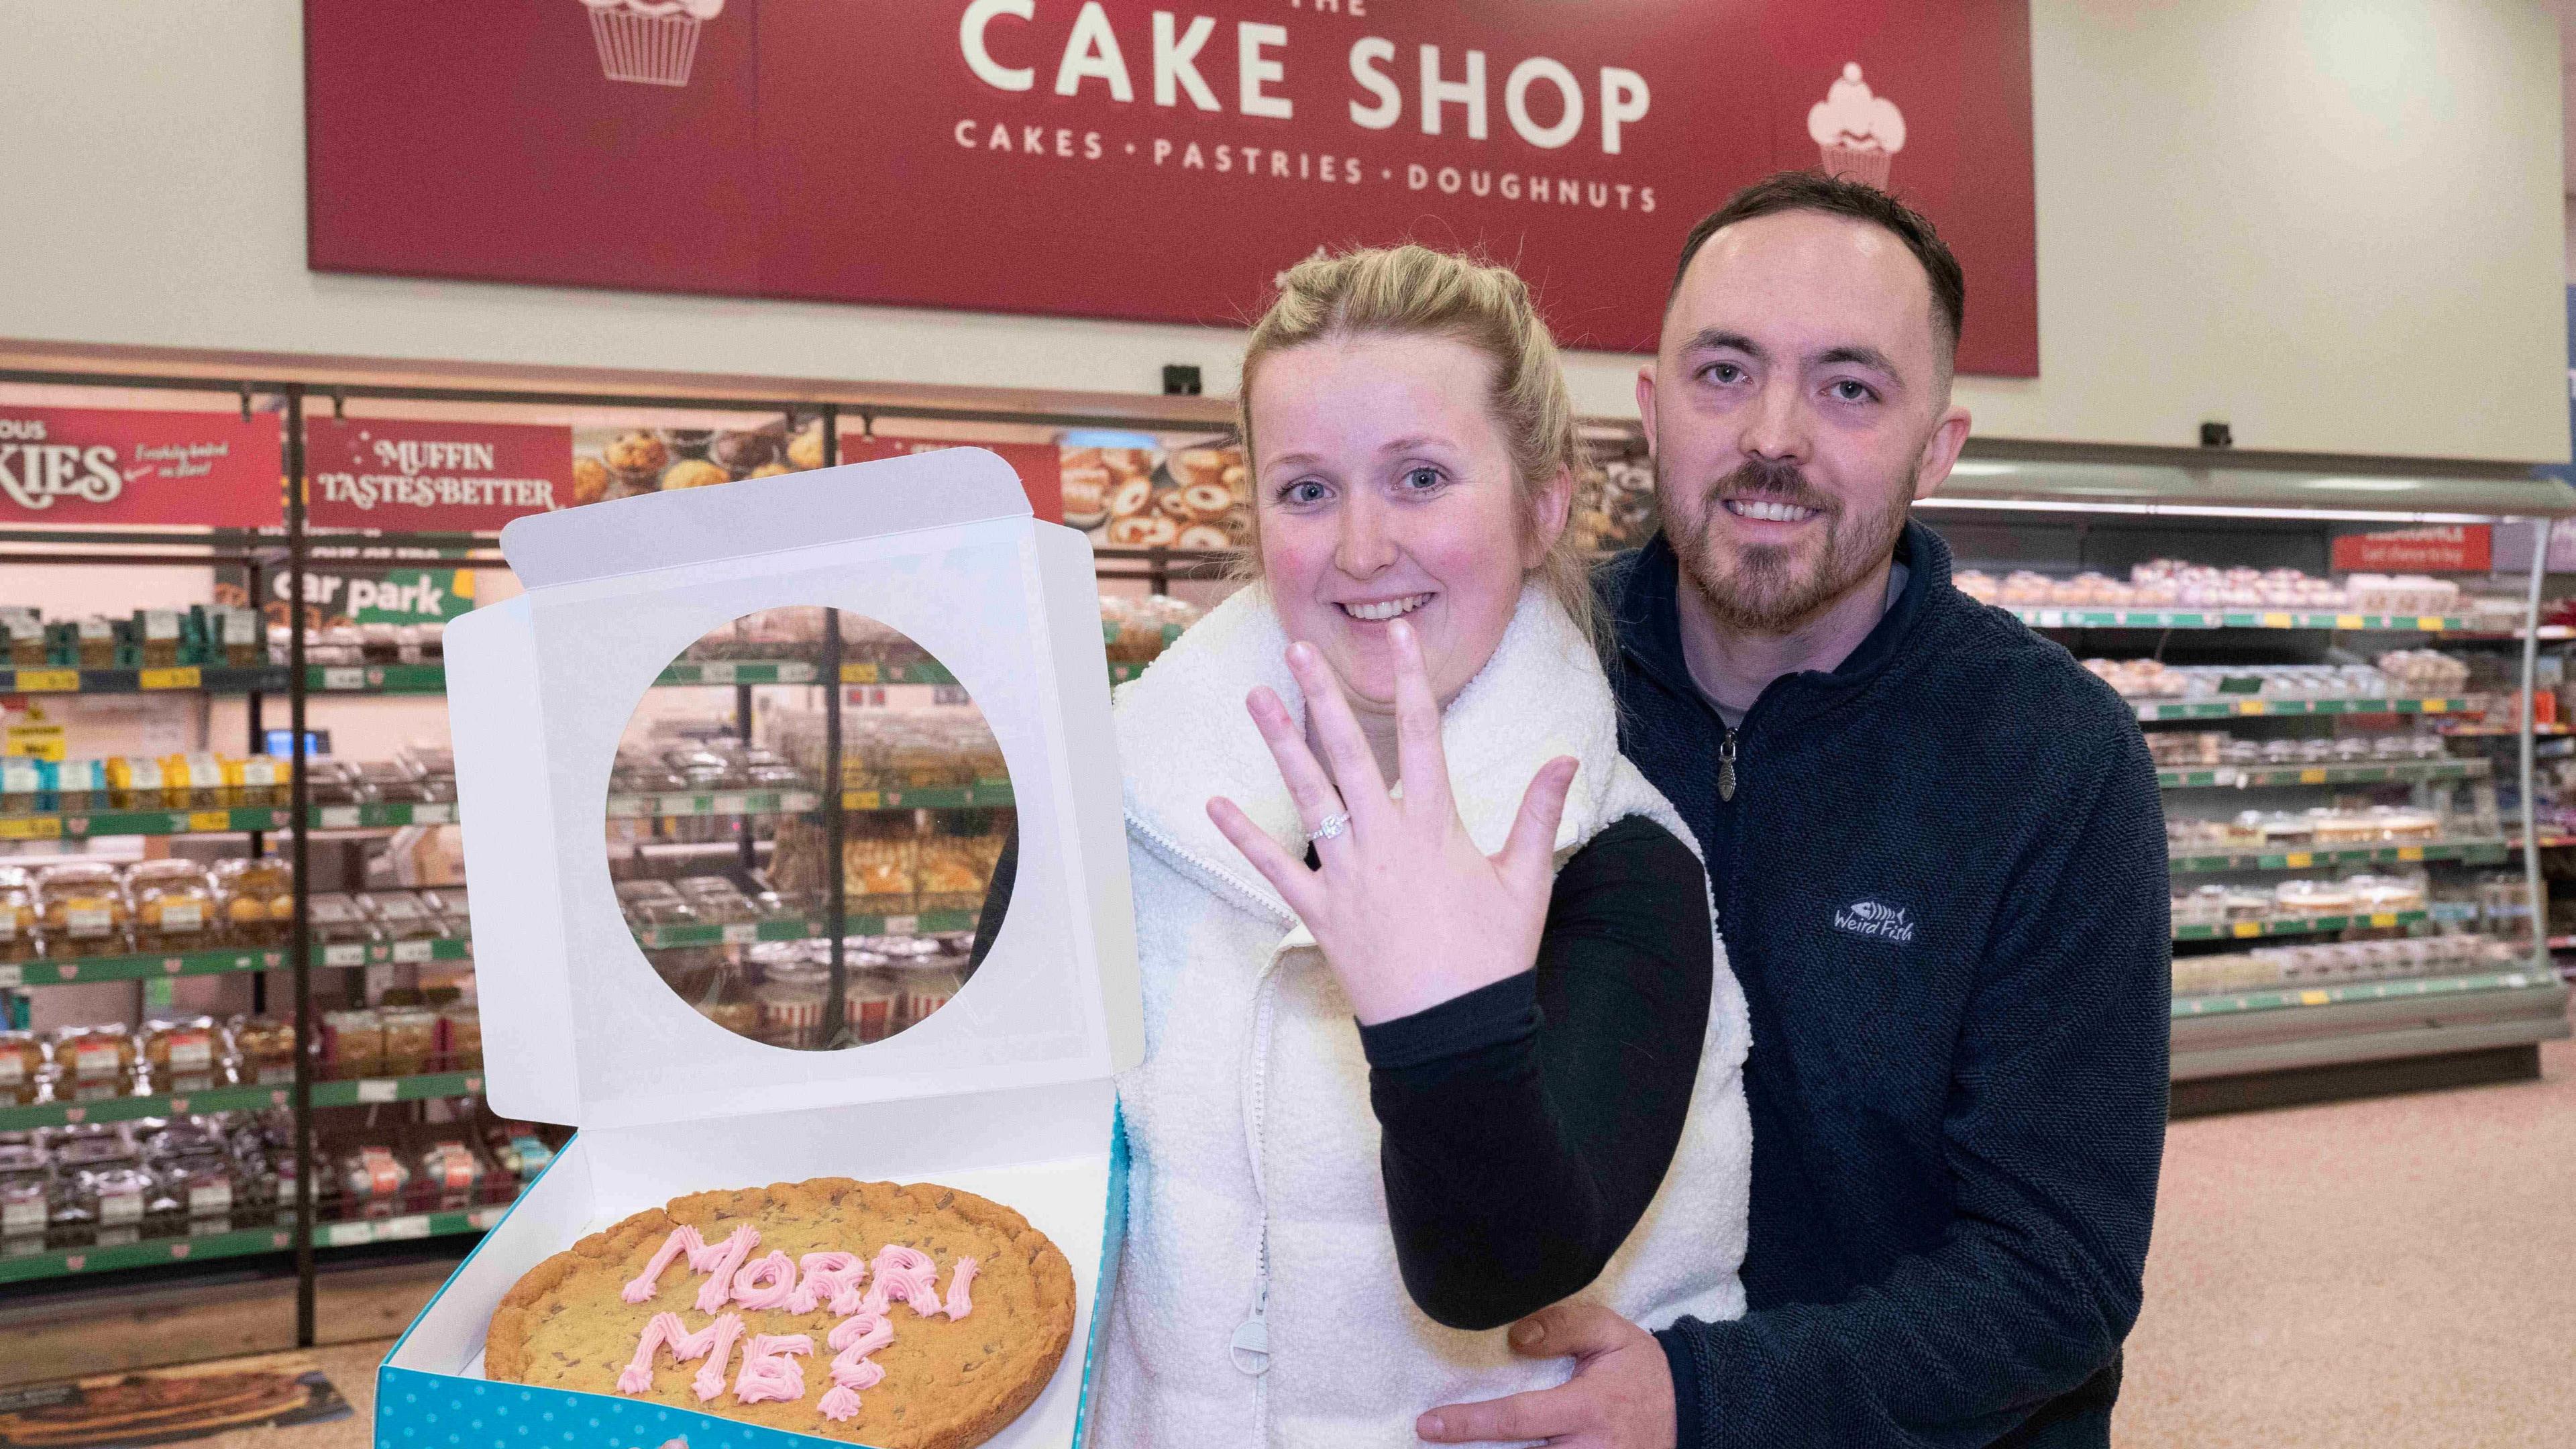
(1432, 1076)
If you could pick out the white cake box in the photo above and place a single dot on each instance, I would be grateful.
(1006, 1091)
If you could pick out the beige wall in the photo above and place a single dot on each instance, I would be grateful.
(2327, 221)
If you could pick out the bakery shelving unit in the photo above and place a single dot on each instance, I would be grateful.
(2461, 989)
(310, 973)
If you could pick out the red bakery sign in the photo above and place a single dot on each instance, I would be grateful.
(1036, 463)
(405, 476)
(103, 466)
(2456, 548)
(1109, 158)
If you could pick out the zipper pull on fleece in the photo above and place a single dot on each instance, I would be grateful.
(1726, 767)
(1251, 1346)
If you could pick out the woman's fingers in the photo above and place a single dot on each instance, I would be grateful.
(1308, 785)
(1355, 770)
(1301, 888)
(1531, 847)
(1417, 726)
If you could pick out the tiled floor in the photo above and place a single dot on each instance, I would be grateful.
(2394, 1271)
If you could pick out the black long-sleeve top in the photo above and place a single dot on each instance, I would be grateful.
(1526, 1125)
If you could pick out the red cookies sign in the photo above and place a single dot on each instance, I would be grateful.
(77, 466)
(1120, 158)
(406, 476)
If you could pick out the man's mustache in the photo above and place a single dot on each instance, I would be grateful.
(1773, 480)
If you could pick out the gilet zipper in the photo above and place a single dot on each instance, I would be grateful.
(1250, 1346)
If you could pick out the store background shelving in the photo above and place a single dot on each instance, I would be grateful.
(2014, 505)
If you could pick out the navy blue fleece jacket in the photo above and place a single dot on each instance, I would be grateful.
(1942, 883)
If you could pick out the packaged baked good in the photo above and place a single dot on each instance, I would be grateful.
(353, 1044)
(372, 1176)
(925, 990)
(200, 1186)
(401, 916)
(195, 782)
(411, 1040)
(94, 643)
(185, 1054)
(449, 1170)
(115, 1200)
(26, 1193)
(25, 786)
(460, 1037)
(174, 905)
(264, 1047)
(870, 999)
(791, 1002)
(91, 1062)
(19, 939)
(336, 920)
(156, 635)
(22, 1067)
(256, 898)
(136, 783)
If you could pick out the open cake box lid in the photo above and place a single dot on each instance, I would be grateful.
(577, 1026)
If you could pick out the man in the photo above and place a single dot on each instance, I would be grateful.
(1940, 872)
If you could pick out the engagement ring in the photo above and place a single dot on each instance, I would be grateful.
(1331, 829)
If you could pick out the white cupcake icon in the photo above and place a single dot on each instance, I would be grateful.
(651, 42)
(1858, 133)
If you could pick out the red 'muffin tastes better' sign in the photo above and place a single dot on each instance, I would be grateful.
(404, 475)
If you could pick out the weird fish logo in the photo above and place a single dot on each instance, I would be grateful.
(1876, 920)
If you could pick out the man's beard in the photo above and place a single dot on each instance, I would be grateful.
(1770, 588)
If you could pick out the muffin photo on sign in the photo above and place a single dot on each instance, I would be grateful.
(1857, 133)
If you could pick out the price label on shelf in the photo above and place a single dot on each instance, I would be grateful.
(49, 681)
(2437, 706)
(397, 1230)
(719, 671)
(184, 677)
(2253, 706)
(484, 1217)
(2298, 860)
(435, 812)
(347, 1235)
(734, 804)
(344, 676)
(347, 953)
(2248, 928)
(902, 925)
(2383, 919)
(337, 817)
(2276, 621)
(2410, 852)
(858, 674)
(380, 1089)
(861, 800)
(2314, 998)
(2430, 623)
(413, 952)
(2312, 777)
(2347, 621)
(210, 820)
(741, 933)
(40, 828)
(13, 975)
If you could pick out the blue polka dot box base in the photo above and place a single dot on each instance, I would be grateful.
(1006, 1091)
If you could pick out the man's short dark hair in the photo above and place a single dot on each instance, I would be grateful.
(1839, 196)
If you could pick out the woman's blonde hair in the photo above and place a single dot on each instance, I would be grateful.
(1413, 291)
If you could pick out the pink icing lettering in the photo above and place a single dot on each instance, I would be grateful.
(830, 1279)
(959, 1304)
(770, 1373)
(711, 1378)
(665, 1330)
(682, 1240)
(908, 1274)
(751, 1292)
(855, 1337)
(721, 1261)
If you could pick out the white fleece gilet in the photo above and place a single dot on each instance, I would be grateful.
(1255, 1186)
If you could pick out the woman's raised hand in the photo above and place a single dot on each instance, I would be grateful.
(1408, 911)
